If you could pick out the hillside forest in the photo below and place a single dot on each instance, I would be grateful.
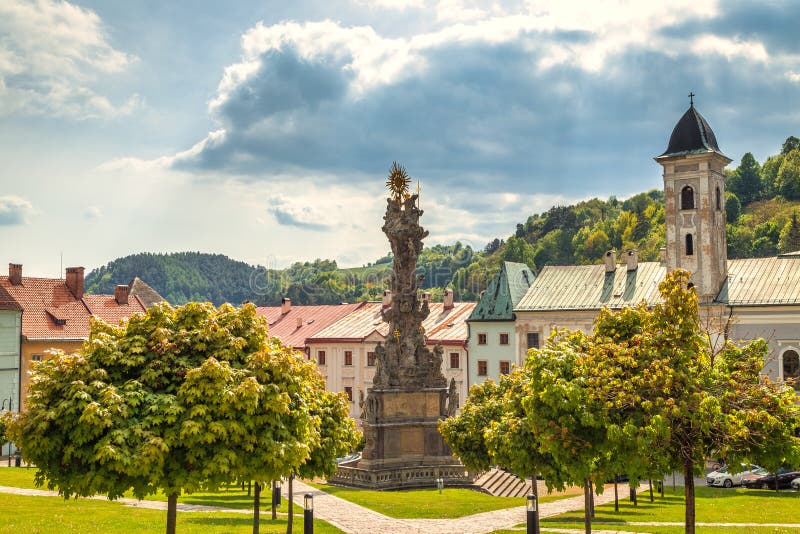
(762, 202)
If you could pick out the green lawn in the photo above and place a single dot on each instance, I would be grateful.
(714, 505)
(54, 515)
(231, 496)
(428, 503)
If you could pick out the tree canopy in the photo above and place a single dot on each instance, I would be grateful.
(178, 400)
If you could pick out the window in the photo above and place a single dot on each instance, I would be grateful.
(321, 357)
(348, 357)
(455, 360)
(36, 358)
(482, 368)
(371, 359)
(689, 245)
(481, 339)
(504, 339)
(348, 390)
(791, 367)
(719, 200)
(533, 340)
(505, 368)
(687, 198)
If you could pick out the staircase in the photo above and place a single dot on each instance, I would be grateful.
(502, 484)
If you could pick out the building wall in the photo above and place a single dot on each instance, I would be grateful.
(544, 322)
(779, 326)
(492, 352)
(31, 349)
(10, 328)
(359, 375)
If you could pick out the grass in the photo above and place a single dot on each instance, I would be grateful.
(230, 496)
(54, 515)
(713, 505)
(428, 503)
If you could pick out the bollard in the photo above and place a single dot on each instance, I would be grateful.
(533, 515)
(440, 484)
(308, 514)
(17, 459)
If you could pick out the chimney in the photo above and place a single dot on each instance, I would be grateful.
(121, 294)
(286, 305)
(426, 297)
(15, 274)
(299, 322)
(632, 259)
(387, 298)
(611, 261)
(448, 299)
(662, 254)
(75, 281)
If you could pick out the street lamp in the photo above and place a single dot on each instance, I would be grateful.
(533, 515)
(308, 514)
(440, 484)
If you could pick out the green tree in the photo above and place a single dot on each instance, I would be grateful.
(677, 401)
(791, 143)
(733, 208)
(769, 175)
(745, 181)
(787, 180)
(173, 401)
(790, 236)
(518, 250)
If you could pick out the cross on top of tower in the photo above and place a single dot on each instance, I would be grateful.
(691, 99)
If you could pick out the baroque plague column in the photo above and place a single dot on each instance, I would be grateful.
(409, 394)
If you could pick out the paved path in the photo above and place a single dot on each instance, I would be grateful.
(355, 519)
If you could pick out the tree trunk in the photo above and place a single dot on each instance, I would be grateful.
(650, 482)
(616, 494)
(688, 479)
(591, 496)
(172, 512)
(291, 507)
(587, 506)
(274, 507)
(256, 507)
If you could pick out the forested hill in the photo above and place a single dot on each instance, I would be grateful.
(179, 277)
(762, 204)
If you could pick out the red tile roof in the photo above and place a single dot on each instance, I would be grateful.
(105, 307)
(445, 326)
(313, 319)
(51, 312)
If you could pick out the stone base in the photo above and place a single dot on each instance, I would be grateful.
(402, 477)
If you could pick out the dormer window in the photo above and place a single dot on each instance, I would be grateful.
(687, 198)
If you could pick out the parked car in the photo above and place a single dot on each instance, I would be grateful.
(783, 477)
(796, 484)
(723, 477)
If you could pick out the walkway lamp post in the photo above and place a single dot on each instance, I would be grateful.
(276, 497)
(440, 484)
(533, 514)
(308, 514)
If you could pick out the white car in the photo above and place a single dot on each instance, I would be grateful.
(796, 484)
(722, 477)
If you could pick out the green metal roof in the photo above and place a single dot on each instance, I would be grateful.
(590, 287)
(504, 292)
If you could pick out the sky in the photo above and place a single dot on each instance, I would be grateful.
(265, 130)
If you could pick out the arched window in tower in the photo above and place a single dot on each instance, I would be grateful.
(687, 198)
(719, 200)
(689, 245)
(791, 367)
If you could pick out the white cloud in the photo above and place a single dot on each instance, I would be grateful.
(93, 213)
(14, 210)
(793, 76)
(51, 53)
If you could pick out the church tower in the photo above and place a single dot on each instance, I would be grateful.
(694, 194)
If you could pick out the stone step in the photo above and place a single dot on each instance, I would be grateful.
(502, 484)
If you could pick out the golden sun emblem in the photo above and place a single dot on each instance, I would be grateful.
(398, 182)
